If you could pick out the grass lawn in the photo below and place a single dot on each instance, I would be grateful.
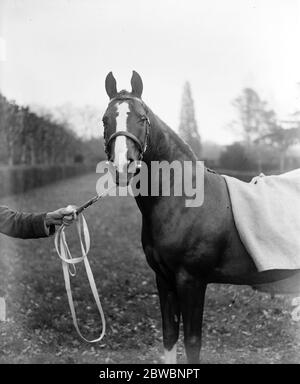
(252, 329)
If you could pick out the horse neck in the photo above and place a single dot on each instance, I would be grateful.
(165, 144)
(157, 212)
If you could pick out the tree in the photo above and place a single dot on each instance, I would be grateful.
(282, 139)
(26, 138)
(3, 118)
(13, 131)
(188, 129)
(236, 157)
(265, 137)
(281, 136)
(255, 120)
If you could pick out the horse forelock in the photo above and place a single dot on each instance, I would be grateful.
(129, 97)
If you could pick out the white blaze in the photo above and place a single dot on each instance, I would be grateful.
(120, 158)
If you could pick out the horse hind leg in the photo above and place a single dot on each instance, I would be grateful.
(191, 293)
(170, 318)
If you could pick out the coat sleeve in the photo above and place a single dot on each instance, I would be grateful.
(23, 225)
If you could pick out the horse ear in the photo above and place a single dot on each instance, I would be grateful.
(111, 85)
(136, 84)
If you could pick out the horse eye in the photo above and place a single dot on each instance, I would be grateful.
(142, 118)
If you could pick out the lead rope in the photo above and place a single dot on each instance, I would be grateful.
(67, 260)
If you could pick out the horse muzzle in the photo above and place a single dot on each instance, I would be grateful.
(122, 176)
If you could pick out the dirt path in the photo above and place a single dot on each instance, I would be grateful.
(253, 329)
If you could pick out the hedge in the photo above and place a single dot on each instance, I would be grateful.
(243, 175)
(19, 179)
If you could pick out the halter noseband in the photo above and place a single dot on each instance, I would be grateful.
(142, 146)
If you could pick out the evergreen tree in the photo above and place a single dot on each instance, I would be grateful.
(188, 129)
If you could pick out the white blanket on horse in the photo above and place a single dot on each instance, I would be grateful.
(267, 216)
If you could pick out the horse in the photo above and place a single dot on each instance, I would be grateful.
(187, 248)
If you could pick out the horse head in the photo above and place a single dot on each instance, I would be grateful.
(126, 128)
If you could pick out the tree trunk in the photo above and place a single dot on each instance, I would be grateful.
(259, 164)
(10, 154)
(282, 162)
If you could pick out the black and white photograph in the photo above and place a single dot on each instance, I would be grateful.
(149, 184)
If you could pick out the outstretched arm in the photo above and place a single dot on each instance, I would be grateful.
(31, 225)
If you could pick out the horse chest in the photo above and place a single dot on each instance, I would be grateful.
(169, 237)
(176, 244)
(165, 248)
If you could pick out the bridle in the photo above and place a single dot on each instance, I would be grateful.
(141, 146)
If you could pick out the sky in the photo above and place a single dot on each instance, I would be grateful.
(54, 52)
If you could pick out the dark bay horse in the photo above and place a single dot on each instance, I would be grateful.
(186, 247)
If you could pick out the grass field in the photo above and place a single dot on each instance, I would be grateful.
(240, 325)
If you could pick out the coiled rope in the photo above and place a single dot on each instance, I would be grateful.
(68, 263)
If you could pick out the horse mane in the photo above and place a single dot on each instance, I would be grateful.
(182, 144)
(160, 124)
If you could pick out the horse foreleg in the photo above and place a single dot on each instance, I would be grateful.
(170, 318)
(191, 294)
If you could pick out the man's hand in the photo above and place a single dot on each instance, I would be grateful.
(61, 216)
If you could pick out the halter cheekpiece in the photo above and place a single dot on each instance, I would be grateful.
(142, 146)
